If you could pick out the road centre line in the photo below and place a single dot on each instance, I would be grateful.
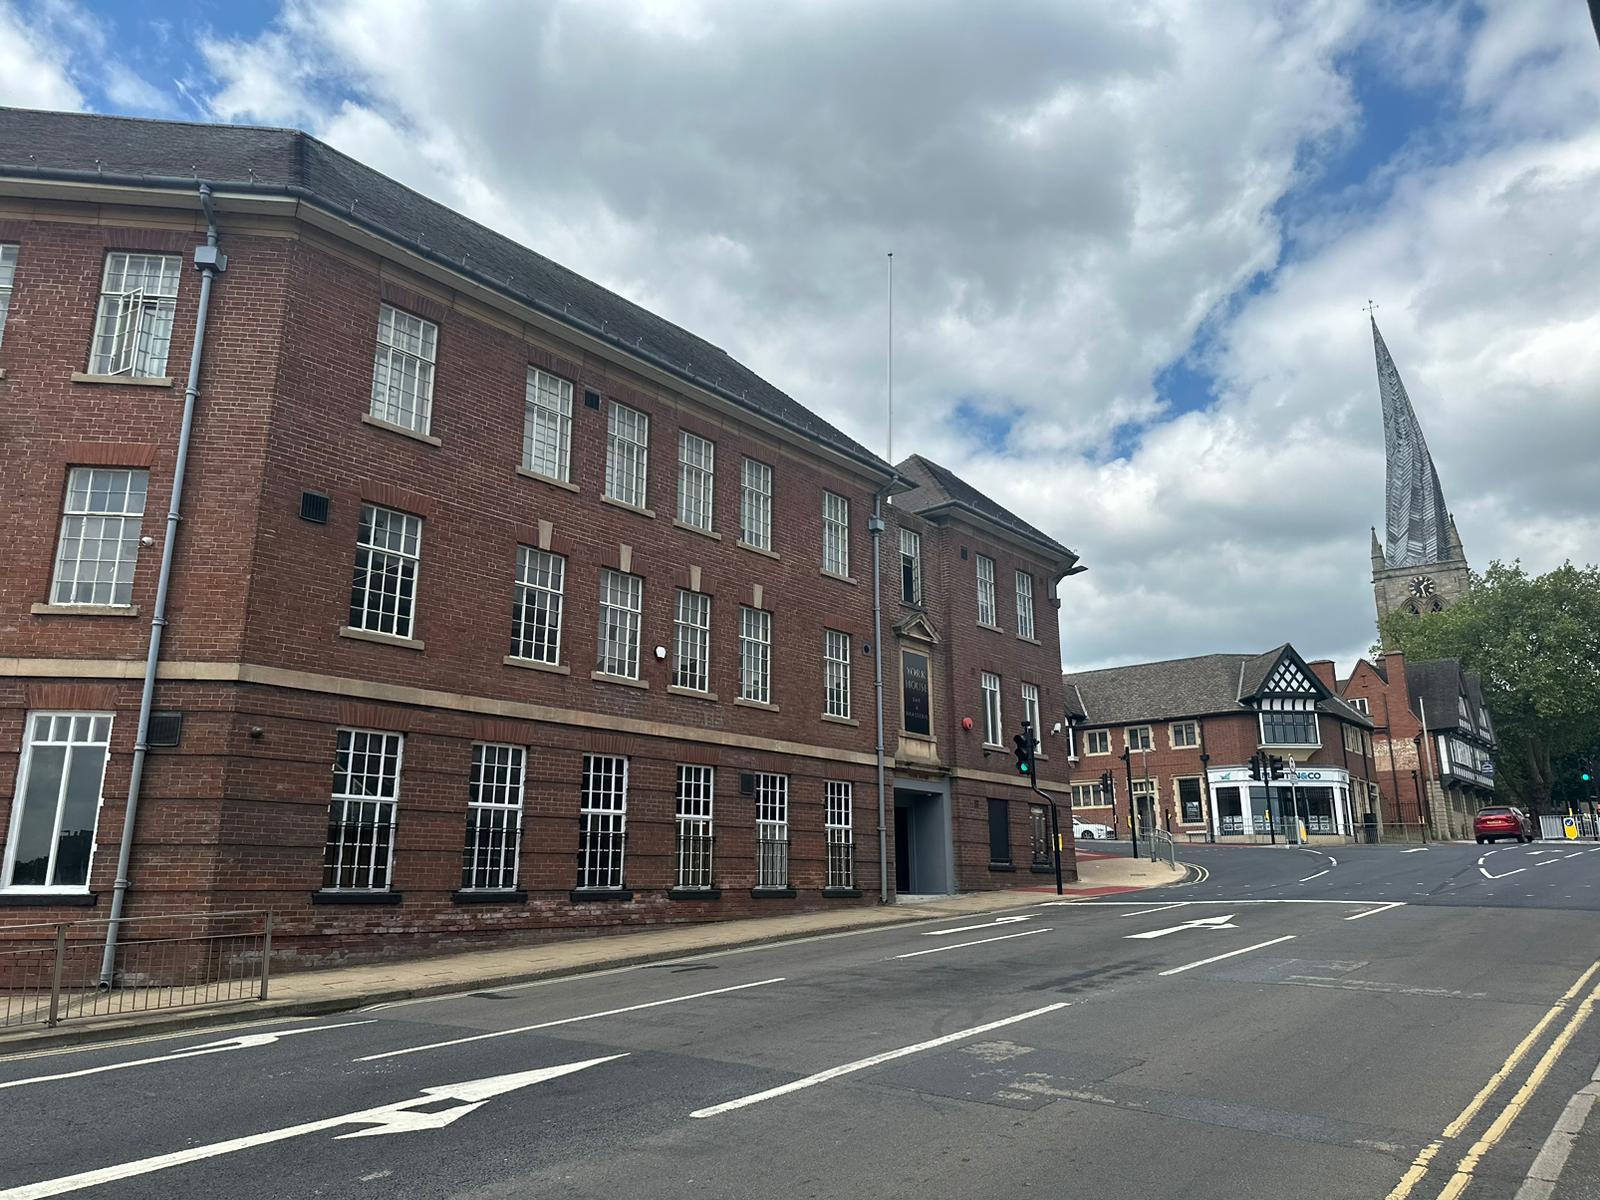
(610, 1012)
(1309, 878)
(980, 942)
(969, 928)
(862, 1064)
(1158, 908)
(1419, 1166)
(246, 1041)
(1374, 911)
(1513, 1109)
(1230, 954)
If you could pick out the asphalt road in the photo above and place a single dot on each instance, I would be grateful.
(1363, 1023)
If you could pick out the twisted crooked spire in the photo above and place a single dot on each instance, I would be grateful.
(1417, 524)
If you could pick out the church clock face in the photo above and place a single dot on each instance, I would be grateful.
(1421, 586)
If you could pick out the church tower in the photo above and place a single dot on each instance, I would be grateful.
(1420, 566)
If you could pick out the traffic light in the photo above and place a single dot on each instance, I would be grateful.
(1275, 767)
(1023, 746)
(1106, 783)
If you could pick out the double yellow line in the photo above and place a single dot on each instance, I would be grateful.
(1497, 1129)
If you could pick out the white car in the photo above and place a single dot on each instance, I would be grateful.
(1090, 829)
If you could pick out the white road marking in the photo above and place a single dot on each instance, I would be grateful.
(1546, 1170)
(245, 1041)
(1289, 937)
(1502, 875)
(610, 1012)
(1158, 908)
(862, 1064)
(980, 942)
(970, 928)
(1309, 878)
(1202, 923)
(400, 1117)
(1414, 850)
(1381, 908)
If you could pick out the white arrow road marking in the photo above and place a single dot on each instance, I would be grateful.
(388, 1118)
(610, 1012)
(980, 942)
(1203, 962)
(861, 1064)
(245, 1041)
(1202, 923)
(970, 928)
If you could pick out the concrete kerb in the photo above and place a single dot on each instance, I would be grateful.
(572, 956)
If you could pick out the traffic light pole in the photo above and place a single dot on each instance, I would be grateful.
(1133, 829)
(1055, 827)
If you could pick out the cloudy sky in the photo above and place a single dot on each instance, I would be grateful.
(1132, 239)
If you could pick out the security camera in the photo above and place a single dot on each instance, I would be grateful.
(1056, 728)
(661, 651)
(147, 540)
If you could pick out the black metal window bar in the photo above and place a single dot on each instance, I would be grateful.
(696, 845)
(841, 859)
(494, 818)
(600, 856)
(772, 858)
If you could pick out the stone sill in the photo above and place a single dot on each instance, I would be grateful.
(850, 579)
(85, 610)
(355, 897)
(850, 721)
(674, 690)
(391, 427)
(599, 895)
(743, 545)
(743, 703)
(626, 507)
(695, 894)
(1011, 867)
(49, 899)
(622, 680)
(841, 893)
(533, 664)
(1030, 641)
(485, 896)
(540, 477)
(772, 893)
(990, 628)
(382, 639)
(705, 533)
(126, 380)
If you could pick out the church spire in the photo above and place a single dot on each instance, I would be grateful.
(1418, 526)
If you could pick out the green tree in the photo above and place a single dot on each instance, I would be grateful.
(1535, 643)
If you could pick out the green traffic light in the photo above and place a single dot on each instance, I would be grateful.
(1586, 777)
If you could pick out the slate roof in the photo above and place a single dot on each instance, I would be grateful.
(288, 161)
(1437, 685)
(1207, 685)
(936, 487)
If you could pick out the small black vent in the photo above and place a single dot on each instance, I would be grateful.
(591, 399)
(747, 783)
(314, 507)
(165, 728)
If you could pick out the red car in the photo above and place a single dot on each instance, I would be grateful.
(1492, 824)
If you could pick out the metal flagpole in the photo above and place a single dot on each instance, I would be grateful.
(889, 358)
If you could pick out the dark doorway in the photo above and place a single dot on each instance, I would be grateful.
(902, 849)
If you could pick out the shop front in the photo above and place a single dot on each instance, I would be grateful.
(1243, 807)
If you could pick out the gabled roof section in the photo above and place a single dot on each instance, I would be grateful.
(936, 488)
(177, 155)
(1281, 672)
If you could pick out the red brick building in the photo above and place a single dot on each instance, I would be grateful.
(1178, 736)
(498, 606)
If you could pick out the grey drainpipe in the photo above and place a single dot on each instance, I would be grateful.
(875, 527)
(210, 264)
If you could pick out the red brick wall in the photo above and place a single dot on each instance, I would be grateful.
(1396, 762)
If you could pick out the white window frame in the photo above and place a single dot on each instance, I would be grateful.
(772, 830)
(1316, 726)
(755, 655)
(836, 534)
(627, 456)
(378, 792)
(1144, 739)
(82, 732)
(755, 505)
(1359, 703)
(911, 553)
(621, 612)
(547, 426)
(1177, 732)
(695, 814)
(402, 369)
(8, 278)
(691, 641)
(491, 859)
(1030, 710)
(1096, 737)
(388, 567)
(839, 834)
(133, 325)
(1025, 606)
(537, 602)
(836, 674)
(697, 473)
(992, 721)
(103, 510)
(603, 823)
(1089, 795)
(987, 614)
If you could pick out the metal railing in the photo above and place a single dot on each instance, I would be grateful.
(1552, 825)
(600, 859)
(772, 862)
(695, 855)
(1158, 843)
(50, 972)
(841, 860)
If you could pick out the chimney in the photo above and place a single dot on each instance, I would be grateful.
(1323, 669)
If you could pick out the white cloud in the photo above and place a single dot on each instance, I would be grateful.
(33, 67)
(1070, 190)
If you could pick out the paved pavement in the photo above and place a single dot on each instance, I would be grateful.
(1403, 1025)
